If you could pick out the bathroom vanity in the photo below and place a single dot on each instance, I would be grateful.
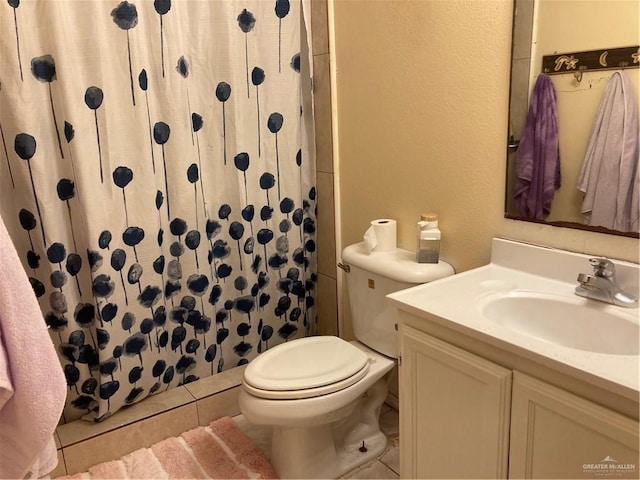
(506, 373)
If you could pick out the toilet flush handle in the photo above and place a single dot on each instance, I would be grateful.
(344, 267)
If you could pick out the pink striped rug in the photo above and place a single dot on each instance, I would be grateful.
(220, 450)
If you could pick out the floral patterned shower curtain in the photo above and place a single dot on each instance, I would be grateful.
(156, 178)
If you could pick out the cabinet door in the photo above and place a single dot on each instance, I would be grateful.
(454, 411)
(555, 434)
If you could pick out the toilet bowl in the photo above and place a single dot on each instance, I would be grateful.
(322, 395)
(316, 434)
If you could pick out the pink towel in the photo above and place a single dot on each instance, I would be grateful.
(32, 385)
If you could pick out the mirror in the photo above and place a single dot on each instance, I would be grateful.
(555, 27)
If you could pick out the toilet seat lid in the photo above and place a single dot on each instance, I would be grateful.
(309, 392)
(305, 363)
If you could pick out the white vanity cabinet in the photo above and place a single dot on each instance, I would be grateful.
(463, 416)
(454, 411)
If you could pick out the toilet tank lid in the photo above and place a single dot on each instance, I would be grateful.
(399, 265)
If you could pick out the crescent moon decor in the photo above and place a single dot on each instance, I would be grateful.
(603, 58)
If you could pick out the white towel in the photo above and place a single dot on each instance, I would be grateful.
(32, 385)
(610, 178)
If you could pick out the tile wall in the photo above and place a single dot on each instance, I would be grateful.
(327, 322)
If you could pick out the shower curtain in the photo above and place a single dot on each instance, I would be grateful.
(157, 181)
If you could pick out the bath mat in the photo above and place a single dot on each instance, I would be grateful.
(220, 450)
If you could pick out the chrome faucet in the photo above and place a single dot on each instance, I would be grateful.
(601, 285)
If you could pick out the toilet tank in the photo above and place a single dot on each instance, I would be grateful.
(370, 278)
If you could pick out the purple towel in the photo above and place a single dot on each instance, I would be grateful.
(538, 156)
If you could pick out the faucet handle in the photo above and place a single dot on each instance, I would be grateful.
(603, 267)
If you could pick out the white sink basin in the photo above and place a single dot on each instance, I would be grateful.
(524, 303)
(573, 323)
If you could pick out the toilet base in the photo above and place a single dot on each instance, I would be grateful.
(331, 450)
(303, 452)
(316, 455)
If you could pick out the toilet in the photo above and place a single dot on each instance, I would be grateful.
(322, 395)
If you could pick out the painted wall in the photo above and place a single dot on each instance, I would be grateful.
(422, 91)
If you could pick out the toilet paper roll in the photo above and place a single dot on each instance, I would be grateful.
(381, 236)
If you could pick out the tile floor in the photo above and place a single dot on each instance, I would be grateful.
(386, 466)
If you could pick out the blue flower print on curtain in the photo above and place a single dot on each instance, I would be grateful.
(125, 16)
(166, 220)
